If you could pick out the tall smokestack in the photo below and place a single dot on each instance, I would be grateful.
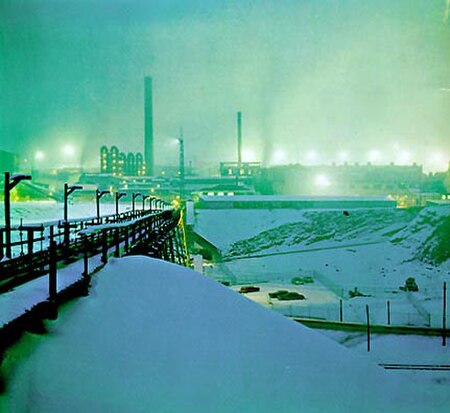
(148, 138)
(239, 133)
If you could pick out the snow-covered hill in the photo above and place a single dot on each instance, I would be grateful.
(425, 234)
(326, 227)
(154, 337)
(428, 235)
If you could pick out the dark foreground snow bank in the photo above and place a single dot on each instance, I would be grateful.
(154, 337)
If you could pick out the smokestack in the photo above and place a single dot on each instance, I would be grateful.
(148, 114)
(239, 132)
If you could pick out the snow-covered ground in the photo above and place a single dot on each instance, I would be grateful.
(372, 250)
(155, 337)
(37, 212)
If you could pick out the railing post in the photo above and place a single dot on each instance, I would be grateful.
(52, 281)
(368, 327)
(66, 234)
(172, 255)
(444, 315)
(30, 242)
(2, 245)
(127, 241)
(104, 246)
(7, 202)
(86, 278)
(117, 242)
(389, 313)
(85, 257)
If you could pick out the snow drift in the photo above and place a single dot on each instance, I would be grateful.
(428, 235)
(154, 337)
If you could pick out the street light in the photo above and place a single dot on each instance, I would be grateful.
(118, 196)
(152, 198)
(98, 195)
(10, 183)
(144, 197)
(134, 196)
(68, 189)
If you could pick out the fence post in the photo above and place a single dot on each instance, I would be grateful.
(85, 256)
(2, 245)
(172, 254)
(104, 247)
(389, 313)
(127, 241)
(52, 281)
(444, 315)
(341, 311)
(117, 239)
(30, 244)
(368, 327)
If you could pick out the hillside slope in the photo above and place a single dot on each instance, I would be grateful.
(155, 337)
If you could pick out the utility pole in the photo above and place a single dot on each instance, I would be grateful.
(444, 315)
(118, 196)
(10, 183)
(144, 197)
(68, 189)
(133, 201)
(181, 163)
(98, 195)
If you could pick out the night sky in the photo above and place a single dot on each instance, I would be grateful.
(317, 80)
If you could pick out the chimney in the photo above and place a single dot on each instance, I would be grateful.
(148, 116)
(239, 132)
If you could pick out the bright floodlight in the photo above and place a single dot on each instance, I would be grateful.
(322, 181)
(312, 156)
(68, 150)
(248, 155)
(343, 156)
(279, 157)
(437, 161)
(374, 155)
(39, 155)
(403, 158)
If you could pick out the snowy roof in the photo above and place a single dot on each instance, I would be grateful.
(156, 337)
(290, 198)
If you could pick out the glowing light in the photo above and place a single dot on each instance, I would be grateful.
(343, 156)
(279, 157)
(312, 156)
(437, 161)
(248, 155)
(39, 155)
(374, 155)
(68, 150)
(322, 181)
(404, 158)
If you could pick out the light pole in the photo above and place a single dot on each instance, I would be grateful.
(118, 196)
(152, 198)
(181, 163)
(10, 183)
(98, 195)
(68, 189)
(133, 200)
(144, 197)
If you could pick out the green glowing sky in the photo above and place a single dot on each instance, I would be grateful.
(316, 80)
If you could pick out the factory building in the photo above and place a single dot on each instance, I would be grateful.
(117, 163)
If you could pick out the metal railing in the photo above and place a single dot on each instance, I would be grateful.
(38, 248)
